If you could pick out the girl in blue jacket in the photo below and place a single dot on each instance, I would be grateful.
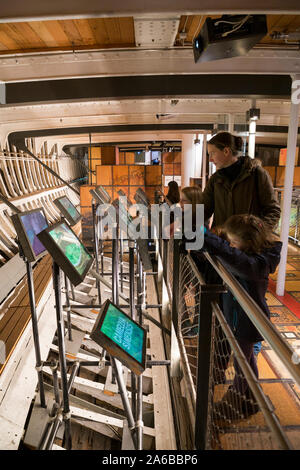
(249, 251)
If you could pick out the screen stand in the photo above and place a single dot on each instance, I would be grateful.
(68, 309)
(35, 331)
(131, 245)
(116, 365)
(141, 301)
(66, 414)
(96, 247)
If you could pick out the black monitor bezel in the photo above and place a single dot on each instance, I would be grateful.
(141, 198)
(64, 211)
(22, 235)
(101, 195)
(60, 258)
(129, 203)
(111, 347)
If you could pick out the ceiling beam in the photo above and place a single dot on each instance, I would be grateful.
(206, 86)
(137, 62)
(15, 10)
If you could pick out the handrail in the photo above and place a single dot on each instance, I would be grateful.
(259, 319)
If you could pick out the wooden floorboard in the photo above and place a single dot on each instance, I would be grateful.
(18, 313)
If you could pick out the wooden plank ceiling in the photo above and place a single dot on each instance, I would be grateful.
(100, 33)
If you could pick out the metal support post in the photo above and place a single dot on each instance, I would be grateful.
(141, 301)
(115, 267)
(35, 333)
(68, 307)
(96, 248)
(131, 244)
(117, 368)
(288, 190)
(62, 353)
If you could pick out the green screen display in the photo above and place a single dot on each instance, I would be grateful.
(70, 208)
(124, 332)
(72, 248)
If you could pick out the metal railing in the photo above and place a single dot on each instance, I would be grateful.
(294, 223)
(228, 405)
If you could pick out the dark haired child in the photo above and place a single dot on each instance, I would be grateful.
(250, 253)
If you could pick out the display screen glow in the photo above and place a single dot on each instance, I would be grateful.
(70, 208)
(33, 224)
(72, 248)
(124, 332)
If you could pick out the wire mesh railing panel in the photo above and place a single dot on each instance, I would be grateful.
(170, 264)
(294, 222)
(241, 416)
(188, 313)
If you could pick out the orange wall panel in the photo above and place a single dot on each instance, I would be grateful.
(153, 175)
(120, 175)
(104, 175)
(85, 195)
(136, 175)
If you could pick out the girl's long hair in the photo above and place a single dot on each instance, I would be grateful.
(251, 230)
(173, 192)
(193, 194)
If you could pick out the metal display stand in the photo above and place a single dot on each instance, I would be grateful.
(62, 411)
(36, 340)
(96, 246)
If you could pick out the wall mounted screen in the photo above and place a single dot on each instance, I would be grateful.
(67, 251)
(28, 224)
(121, 336)
(68, 210)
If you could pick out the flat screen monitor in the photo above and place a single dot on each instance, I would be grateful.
(121, 337)
(122, 194)
(67, 251)
(124, 218)
(141, 198)
(101, 195)
(28, 224)
(68, 210)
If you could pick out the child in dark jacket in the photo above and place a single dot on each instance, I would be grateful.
(249, 251)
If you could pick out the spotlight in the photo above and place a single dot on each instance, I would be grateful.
(252, 114)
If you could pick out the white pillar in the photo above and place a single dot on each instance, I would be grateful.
(287, 195)
(198, 148)
(230, 123)
(187, 159)
(251, 141)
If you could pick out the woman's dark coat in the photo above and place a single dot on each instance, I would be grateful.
(251, 192)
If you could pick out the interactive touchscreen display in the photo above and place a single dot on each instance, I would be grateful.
(141, 198)
(121, 336)
(28, 225)
(121, 193)
(67, 251)
(101, 195)
(68, 210)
